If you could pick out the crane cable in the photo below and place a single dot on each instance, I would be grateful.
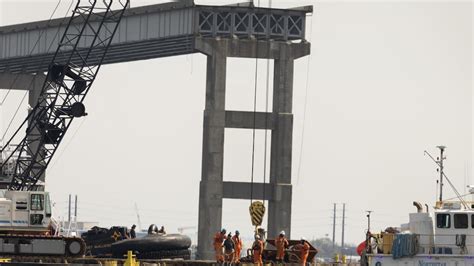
(254, 118)
(257, 208)
(308, 66)
(67, 144)
(31, 82)
(267, 89)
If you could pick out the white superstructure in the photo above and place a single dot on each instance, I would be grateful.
(442, 237)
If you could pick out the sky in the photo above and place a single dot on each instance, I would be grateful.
(385, 81)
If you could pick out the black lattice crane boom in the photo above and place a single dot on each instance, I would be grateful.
(71, 73)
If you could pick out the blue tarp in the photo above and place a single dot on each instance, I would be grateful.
(404, 245)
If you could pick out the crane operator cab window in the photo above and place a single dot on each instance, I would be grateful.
(37, 204)
(443, 220)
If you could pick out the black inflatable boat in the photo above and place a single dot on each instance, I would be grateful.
(154, 246)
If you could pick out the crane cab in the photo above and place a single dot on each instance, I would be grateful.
(28, 211)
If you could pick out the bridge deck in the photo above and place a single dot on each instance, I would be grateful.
(151, 32)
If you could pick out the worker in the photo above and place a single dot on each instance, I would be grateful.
(132, 232)
(162, 230)
(281, 244)
(303, 248)
(229, 249)
(238, 246)
(257, 249)
(152, 229)
(218, 241)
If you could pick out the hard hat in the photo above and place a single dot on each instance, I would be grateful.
(303, 238)
(257, 237)
(282, 233)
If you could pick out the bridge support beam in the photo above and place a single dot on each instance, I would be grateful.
(213, 189)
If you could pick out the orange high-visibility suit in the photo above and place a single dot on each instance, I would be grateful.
(238, 248)
(281, 244)
(304, 252)
(257, 248)
(218, 240)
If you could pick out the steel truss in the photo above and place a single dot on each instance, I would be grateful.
(69, 78)
(260, 23)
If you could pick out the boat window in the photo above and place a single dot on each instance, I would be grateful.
(443, 220)
(460, 220)
(37, 202)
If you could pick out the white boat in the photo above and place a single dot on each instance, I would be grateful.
(444, 237)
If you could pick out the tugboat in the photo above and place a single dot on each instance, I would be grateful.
(443, 238)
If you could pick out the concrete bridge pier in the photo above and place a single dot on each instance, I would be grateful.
(33, 83)
(213, 188)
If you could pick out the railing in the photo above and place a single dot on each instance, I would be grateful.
(441, 243)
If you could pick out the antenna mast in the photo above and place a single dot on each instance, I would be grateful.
(440, 161)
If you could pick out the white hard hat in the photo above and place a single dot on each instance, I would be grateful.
(282, 233)
(257, 237)
(303, 238)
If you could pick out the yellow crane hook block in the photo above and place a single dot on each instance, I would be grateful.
(257, 211)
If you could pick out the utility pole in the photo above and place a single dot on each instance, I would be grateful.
(334, 227)
(75, 209)
(343, 224)
(69, 210)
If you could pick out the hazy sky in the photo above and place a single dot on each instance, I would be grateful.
(386, 81)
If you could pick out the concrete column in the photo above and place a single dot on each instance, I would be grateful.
(280, 121)
(211, 186)
(279, 208)
(33, 83)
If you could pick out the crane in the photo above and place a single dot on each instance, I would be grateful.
(71, 73)
(25, 210)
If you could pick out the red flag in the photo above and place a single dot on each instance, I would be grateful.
(361, 248)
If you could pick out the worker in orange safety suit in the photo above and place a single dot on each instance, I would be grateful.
(229, 249)
(257, 249)
(303, 249)
(238, 246)
(218, 241)
(281, 244)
